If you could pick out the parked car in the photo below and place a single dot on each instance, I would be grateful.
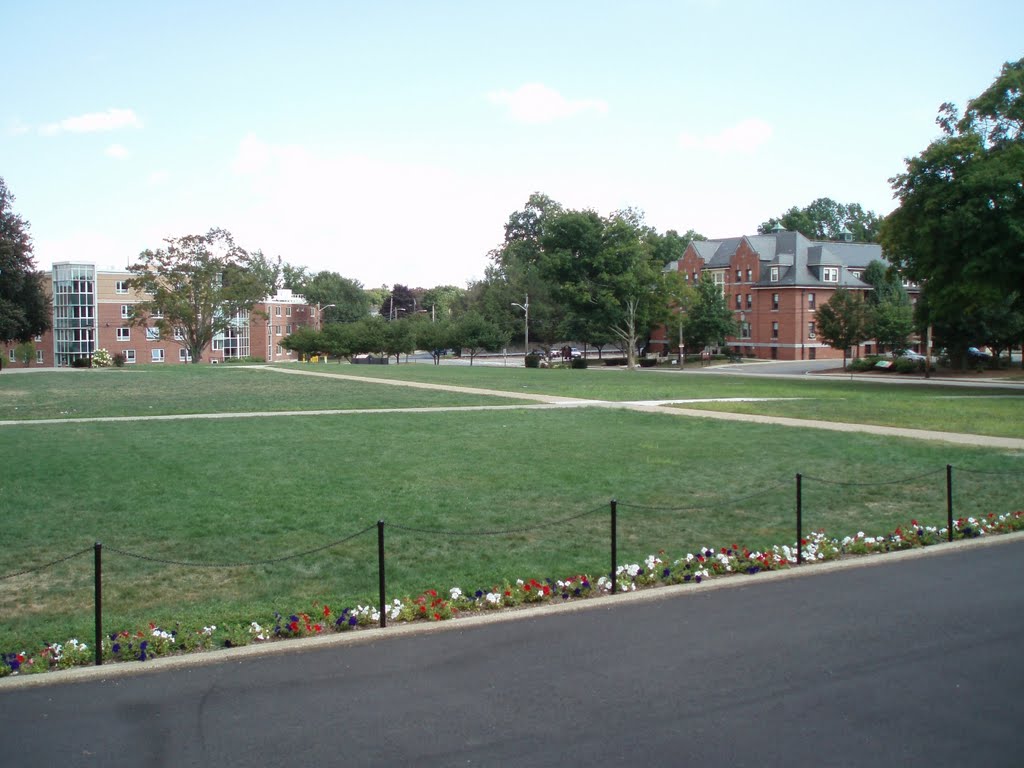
(976, 355)
(909, 354)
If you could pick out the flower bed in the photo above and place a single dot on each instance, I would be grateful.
(660, 569)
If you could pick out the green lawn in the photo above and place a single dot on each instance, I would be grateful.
(972, 410)
(156, 390)
(258, 489)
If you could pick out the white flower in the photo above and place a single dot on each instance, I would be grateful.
(456, 593)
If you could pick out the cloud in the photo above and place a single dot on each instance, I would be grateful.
(117, 151)
(535, 103)
(745, 137)
(158, 177)
(94, 122)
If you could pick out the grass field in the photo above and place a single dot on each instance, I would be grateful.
(259, 489)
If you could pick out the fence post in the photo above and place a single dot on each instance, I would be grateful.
(614, 512)
(949, 501)
(98, 599)
(799, 519)
(380, 573)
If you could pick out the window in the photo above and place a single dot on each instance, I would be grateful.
(124, 333)
(288, 329)
(179, 333)
(686, 278)
(739, 275)
(277, 311)
(39, 356)
(855, 272)
(157, 313)
(121, 286)
(126, 311)
(288, 311)
(810, 301)
(774, 275)
(775, 329)
(775, 302)
(744, 330)
(38, 338)
(830, 274)
(279, 349)
(184, 356)
(739, 301)
(695, 276)
(750, 275)
(750, 301)
(129, 355)
(156, 355)
(10, 355)
(277, 330)
(152, 334)
(810, 331)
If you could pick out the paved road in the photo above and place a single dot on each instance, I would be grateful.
(908, 661)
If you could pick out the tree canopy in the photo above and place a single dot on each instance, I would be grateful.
(197, 285)
(825, 219)
(345, 300)
(843, 321)
(959, 227)
(708, 320)
(24, 305)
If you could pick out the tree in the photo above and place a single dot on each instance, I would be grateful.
(959, 227)
(474, 333)
(825, 219)
(709, 320)
(198, 285)
(24, 305)
(891, 318)
(439, 301)
(400, 301)
(305, 340)
(399, 339)
(843, 321)
(348, 297)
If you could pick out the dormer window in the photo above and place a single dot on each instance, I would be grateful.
(830, 274)
(773, 274)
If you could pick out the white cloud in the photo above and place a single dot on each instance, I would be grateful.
(116, 151)
(158, 177)
(94, 122)
(745, 137)
(535, 103)
(16, 127)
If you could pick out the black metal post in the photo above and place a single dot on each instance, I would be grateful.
(98, 604)
(614, 554)
(380, 573)
(949, 501)
(799, 519)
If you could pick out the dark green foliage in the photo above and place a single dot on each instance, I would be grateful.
(24, 306)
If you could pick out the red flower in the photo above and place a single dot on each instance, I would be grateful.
(294, 626)
(526, 587)
(432, 592)
(327, 611)
(437, 617)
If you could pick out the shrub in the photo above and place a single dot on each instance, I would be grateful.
(648, 362)
(102, 359)
(861, 364)
(578, 362)
(614, 361)
(903, 365)
(119, 360)
(81, 362)
(532, 361)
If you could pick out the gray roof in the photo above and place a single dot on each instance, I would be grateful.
(801, 261)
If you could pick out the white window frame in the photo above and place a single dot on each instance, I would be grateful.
(750, 275)
(830, 274)
(121, 286)
(812, 330)
(812, 302)
(739, 301)
(124, 333)
(288, 311)
(129, 356)
(158, 314)
(775, 302)
(179, 333)
(126, 311)
(40, 357)
(10, 355)
(152, 333)
(156, 355)
(775, 329)
(38, 338)
(184, 356)
(750, 301)
(773, 275)
(277, 311)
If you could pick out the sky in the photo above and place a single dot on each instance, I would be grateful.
(390, 141)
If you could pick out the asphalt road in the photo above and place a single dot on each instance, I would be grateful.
(905, 662)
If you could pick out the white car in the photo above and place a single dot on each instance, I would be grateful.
(909, 354)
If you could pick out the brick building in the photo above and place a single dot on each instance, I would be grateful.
(92, 309)
(774, 284)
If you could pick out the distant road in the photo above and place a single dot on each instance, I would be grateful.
(907, 661)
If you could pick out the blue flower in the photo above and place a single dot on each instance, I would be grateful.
(479, 593)
(116, 648)
(666, 573)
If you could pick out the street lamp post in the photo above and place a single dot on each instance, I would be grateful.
(319, 317)
(525, 306)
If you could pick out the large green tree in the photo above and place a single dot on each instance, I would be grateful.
(843, 321)
(890, 316)
(959, 227)
(196, 286)
(345, 300)
(825, 219)
(24, 305)
(709, 320)
(474, 333)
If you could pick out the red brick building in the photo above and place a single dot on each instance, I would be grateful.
(92, 310)
(774, 284)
